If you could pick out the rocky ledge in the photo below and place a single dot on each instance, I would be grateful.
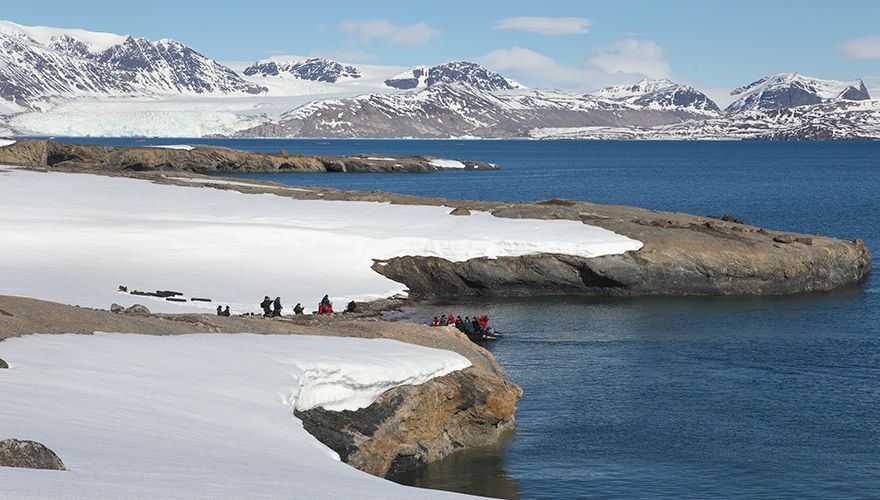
(40, 153)
(681, 254)
(404, 428)
(411, 426)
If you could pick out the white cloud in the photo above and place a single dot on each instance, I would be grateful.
(546, 25)
(630, 56)
(866, 47)
(533, 66)
(626, 61)
(416, 34)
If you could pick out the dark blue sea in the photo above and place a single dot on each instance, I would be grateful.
(747, 397)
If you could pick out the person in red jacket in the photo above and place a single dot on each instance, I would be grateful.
(436, 321)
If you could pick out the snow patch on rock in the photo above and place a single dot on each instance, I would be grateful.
(198, 416)
(73, 238)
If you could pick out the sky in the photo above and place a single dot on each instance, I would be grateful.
(715, 46)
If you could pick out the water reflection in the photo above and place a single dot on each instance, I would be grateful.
(476, 471)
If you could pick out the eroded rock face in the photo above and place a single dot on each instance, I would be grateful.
(3, 364)
(413, 425)
(28, 455)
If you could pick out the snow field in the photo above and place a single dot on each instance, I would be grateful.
(447, 163)
(73, 238)
(197, 416)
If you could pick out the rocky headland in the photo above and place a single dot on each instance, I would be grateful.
(404, 428)
(682, 254)
(55, 155)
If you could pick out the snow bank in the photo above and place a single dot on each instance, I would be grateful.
(220, 182)
(73, 238)
(185, 147)
(437, 162)
(6, 142)
(196, 416)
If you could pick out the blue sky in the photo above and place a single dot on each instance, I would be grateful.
(705, 43)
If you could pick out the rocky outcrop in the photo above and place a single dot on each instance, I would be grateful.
(28, 455)
(3, 364)
(137, 309)
(682, 255)
(204, 159)
(410, 426)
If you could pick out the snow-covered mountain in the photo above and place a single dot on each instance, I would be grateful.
(315, 69)
(73, 82)
(458, 110)
(790, 90)
(464, 72)
(660, 94)
(38, 64)
(842, 120)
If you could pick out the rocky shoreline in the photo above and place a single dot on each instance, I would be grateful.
(682, 254)
(40, 153)
(468, 408)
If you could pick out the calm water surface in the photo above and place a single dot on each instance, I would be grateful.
(667, 397)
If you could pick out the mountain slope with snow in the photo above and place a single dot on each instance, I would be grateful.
(315, 69)
(462, 72)
(38, 64)
(660, 94)
(444, 110)
(790, 90)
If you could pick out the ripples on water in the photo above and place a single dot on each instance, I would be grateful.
(668, 397)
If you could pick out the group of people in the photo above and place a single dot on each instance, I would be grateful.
(476, 329)
(272, 308)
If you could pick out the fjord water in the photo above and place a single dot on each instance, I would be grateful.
(749, 397)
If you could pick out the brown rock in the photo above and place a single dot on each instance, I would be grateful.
(558, 202)
(137, 309)
(116, 308)
(787, 239)
(460, 211)
(28, 455)
(804, 239)
(731, 218)
(3, 364)
(413, 425)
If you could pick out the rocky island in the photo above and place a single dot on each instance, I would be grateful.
(210, 159)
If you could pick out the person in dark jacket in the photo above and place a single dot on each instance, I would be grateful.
(478, 329)
(219, 311)
(468, 328)
(298, 309)
(326, 301)
(266, 304)
(226, 312)
(276, 307)
(459, 323)
(443, 321)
